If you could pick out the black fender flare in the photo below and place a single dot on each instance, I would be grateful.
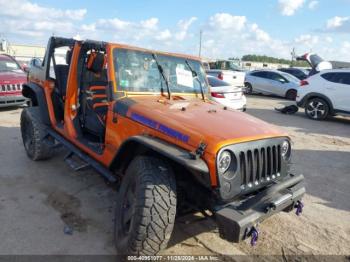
(37, 95)
(317, 95)
(169, 151)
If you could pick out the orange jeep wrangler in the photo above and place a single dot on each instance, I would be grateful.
(142, 120)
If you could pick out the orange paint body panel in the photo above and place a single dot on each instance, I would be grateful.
(201, 121)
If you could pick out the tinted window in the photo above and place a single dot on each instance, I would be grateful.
(301, 74)
(290, 77)
(259, 74)
(276, 77)
(340, 78)
(217, 82)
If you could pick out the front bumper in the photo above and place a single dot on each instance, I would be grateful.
(235, 220)
(12, 100)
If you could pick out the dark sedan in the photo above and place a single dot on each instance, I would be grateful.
(297, 72)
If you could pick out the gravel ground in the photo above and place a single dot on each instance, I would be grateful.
(38, 198)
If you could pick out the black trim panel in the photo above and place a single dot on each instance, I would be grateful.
(93, 163)
(170, 151)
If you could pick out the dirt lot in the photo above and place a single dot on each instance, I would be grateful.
(38, 198)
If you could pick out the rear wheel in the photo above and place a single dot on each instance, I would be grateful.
(291, 94)
(34, 133)
(248, 88)
(317, 109)
(145, 208)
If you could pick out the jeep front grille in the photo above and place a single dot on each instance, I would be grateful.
(259, 165)
(10, 87)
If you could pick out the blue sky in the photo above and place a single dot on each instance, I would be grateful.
(230, 27)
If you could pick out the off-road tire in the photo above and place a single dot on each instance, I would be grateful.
(291, 94)
(320, 109)
(248, 89)
(151, 185)
(34, 133)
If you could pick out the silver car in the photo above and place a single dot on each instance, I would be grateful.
(272, 82)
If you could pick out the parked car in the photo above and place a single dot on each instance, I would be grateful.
(272, 82)
(226, 65)
(234, 78)
(326, 93)
(226, 94)
(159, 141)
(12, 78)
(299, 73)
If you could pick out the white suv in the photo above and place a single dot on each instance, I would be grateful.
(326, 93)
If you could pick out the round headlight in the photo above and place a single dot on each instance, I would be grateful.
(224, 162)
(285, 149)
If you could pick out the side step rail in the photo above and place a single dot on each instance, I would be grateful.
(106, 173)
(76, 165)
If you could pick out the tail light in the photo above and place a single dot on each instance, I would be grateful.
(217, 95)
(304, 83)
(221, 76)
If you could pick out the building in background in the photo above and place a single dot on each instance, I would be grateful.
(247, 65)
(22, 53)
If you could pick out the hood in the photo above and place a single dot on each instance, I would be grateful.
(12, 77)
(196, 121)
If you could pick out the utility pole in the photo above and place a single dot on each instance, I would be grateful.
(293, 56)
(200, 42)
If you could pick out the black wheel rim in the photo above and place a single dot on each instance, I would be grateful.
(128, 208)
(316, 109)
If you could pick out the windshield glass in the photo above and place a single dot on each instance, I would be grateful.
(8, 65)
(137, 71)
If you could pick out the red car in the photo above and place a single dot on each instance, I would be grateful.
(11, 79)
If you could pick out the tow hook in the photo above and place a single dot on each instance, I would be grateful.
(299, 208)
(254, 236)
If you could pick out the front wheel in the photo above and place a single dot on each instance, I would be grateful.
(145, 208)
(317, 109)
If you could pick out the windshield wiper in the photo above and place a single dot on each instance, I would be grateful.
(161, 71)
(195, 76)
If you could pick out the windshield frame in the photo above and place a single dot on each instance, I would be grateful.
(113, 67)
